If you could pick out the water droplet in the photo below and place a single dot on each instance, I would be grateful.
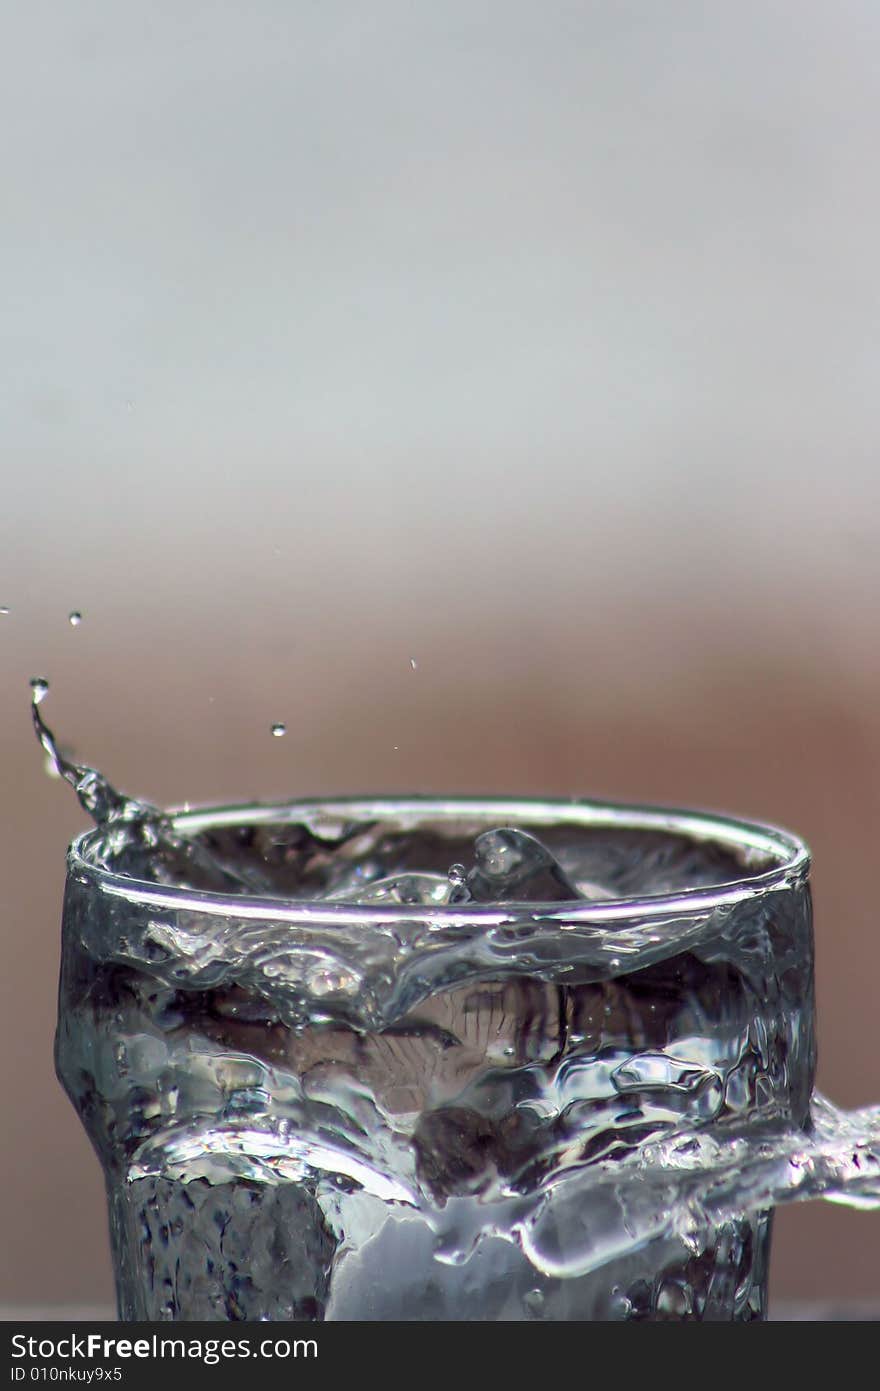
(39, 689)
(279, 730)
(396, 748)
(3, 610)
(457, 874)
(75, 618)
(413, 663)
(534, 1303)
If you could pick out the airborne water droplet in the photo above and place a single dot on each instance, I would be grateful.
(279, 730)
(3, 610)
(74, 618)
(39, 689)
(413, 663)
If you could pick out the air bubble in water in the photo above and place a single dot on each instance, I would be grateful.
(279, 730)
(39, 689)
(74, 618)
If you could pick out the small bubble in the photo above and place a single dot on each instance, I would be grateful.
(324, 980)
(396, 748)
(457, 874)
(75, 618)
(413, 663)
(674, 1299)
(279, 730)
(39, 689)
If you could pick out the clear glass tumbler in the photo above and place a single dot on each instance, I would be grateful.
(307, 1108)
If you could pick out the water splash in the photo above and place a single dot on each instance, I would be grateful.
(686, 1184)
(96, 795)
(138, 838)
(571, 1095)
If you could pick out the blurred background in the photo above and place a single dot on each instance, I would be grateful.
(536, 343)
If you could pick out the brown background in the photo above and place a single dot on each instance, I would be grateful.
(538, 343)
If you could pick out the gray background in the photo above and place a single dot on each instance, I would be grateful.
(538, 342)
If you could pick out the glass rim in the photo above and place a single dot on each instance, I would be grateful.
(749, 838)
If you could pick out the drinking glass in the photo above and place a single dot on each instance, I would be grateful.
(307, 1107)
